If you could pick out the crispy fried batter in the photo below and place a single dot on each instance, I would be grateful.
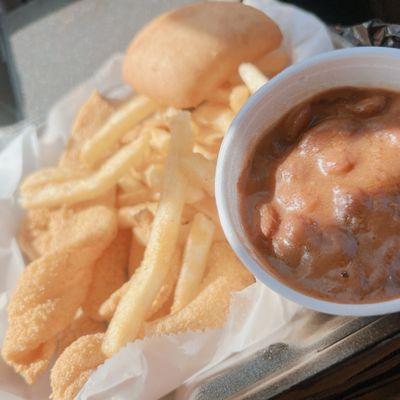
(222, 261)
(90, 117)
(53, 287)
(33, 236)
(107, 309)
(34, 363)
(82, 325)
(74, 366)
(209, 309)
(110, 273)
(42, 229)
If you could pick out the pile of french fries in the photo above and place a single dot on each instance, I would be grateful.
(169, 268)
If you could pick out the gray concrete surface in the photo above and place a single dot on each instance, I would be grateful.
(52, 45)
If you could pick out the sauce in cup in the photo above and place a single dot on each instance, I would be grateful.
(320, 196)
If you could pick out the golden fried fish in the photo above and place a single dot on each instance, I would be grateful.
(74, 366)
(52, 288)
(109, 274)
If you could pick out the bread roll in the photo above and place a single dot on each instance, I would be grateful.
(183, 55)
(274, 62)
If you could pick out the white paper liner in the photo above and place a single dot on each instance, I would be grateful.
(149, 368)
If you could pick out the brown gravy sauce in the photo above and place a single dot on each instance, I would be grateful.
(320, 196)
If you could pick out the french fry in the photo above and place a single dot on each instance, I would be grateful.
(207, 207)
(252, 76)
(130, 114)
(134, 198)
(223, 121)
(194, 261)
(74, 191)
(157, 120)
(183, 233)
(107, 199)
(51, 175)
(129, 216)
(131, 134)
(151, 206)
(135, 256)
(194, 194)
(215, 116)
(107, 309)
(149, 277)
(160, 139)
(220, 95)
(153, 176)
(200, 171)
(142, 228)
(131, 182)
(188, 214)
(238, 97)
(167, 289)
(157, 158)
(212, 139)
(205, 152)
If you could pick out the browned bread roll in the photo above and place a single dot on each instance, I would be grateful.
(183, 55)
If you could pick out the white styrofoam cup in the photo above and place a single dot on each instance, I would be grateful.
(367, 67)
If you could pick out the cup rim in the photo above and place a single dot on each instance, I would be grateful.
(261, 273)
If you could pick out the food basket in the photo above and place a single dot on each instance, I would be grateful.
(314, 356)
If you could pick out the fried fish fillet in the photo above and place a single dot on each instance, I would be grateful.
(42, 229)
(37, 228)
(82, 325)
(52, 288)
(33, 236)
(109, 274)
(107, 309)
(208, 310)
(90, 117)
(74, 366)
(33, 363)
(222, 261)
